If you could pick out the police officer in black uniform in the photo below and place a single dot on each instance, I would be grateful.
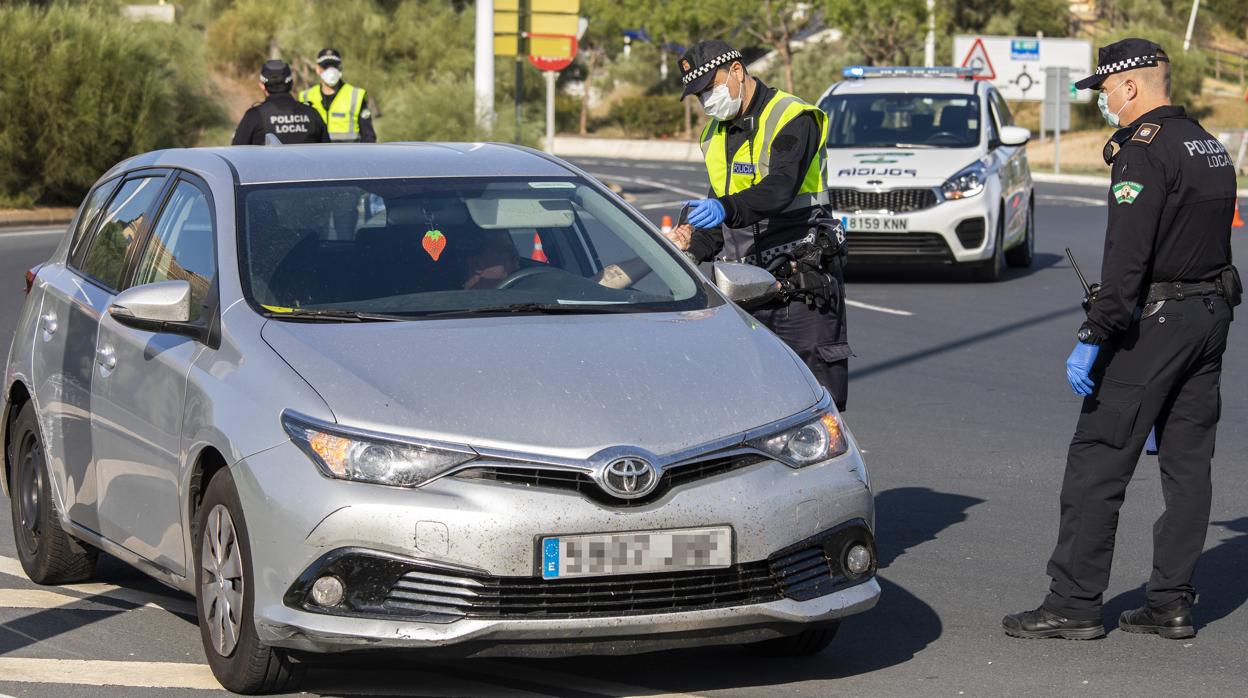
(768, 206)
(1149, 353)
(279, 114)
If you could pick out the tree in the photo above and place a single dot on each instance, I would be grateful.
(774, 24)
(607, 20)
(883, 31)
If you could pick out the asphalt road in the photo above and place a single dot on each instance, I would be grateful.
(958, 395)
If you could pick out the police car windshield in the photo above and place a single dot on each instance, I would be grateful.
(902, 120)
(438, 246)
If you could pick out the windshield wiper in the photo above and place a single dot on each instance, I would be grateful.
(910, 145)
(534, 308)
(333, 315)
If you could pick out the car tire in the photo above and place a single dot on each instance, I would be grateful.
(1024, 253)
(239, 660)
(48, 554)
(808, 642)
(991, 269)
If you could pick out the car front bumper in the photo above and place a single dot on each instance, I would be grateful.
(957, 231)
(295, 517)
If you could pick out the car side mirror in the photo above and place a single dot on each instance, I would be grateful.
(164, 306)
(1014, 135)
(743, 283)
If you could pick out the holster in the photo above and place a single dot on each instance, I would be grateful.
(1232, 288)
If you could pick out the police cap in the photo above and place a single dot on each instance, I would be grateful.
(275, 75)
(699, 64)
(1120, 57)
(328, 57)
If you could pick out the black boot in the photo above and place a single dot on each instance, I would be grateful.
(1172, 625)
(1039, 624)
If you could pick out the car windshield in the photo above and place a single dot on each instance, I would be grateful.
(902, 120)
(445, 246)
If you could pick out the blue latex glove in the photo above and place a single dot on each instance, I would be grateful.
(1079, 368)
(705, 213)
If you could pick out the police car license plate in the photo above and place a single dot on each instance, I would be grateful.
(636, 552)
(885, 223)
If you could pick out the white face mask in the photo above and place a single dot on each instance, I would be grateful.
(719, 102)
(331, 76)
(1102, 102)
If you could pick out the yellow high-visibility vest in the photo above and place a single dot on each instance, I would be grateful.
(343, 117)
(752, 161)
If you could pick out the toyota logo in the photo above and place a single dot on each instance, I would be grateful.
(629, 478)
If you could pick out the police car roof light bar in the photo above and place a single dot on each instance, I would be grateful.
(858, 72)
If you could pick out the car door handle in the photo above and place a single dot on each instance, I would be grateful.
(105, 356)
(48, 322)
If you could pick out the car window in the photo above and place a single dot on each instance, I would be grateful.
(182, 246)
(90, 211)
(1004, 117)
(902, 120)
(432, 245)
(118, 233)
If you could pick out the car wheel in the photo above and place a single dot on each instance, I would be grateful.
(993, 267)
(226, 601)
(1024, 253)
(48, 554)
(804, 644)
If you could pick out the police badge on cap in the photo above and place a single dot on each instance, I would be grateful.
(699, 64)
(1121, 56)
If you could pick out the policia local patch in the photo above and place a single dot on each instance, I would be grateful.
(1126, 192)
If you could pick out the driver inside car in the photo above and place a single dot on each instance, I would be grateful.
(497, 259)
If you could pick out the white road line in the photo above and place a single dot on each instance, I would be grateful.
(878, 308)
(649, 183)
(43, 599)
(30, 233)
(662, 204)
(575, 682)
(92, 672)
(1085, 200)
(173, 604)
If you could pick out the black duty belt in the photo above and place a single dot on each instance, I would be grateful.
(1177, 290)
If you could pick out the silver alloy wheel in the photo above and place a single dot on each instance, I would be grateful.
(221, 581)
(30, 494)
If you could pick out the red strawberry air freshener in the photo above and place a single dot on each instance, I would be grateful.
(434, 243)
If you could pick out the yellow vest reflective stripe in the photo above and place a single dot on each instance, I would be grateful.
(343, 118)
(752, 161)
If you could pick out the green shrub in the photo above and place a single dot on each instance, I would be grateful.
(648, 116)
(103, 89)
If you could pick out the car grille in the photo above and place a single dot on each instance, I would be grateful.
(895, 201)
(802, 572)
(900, 247)
(673, 476)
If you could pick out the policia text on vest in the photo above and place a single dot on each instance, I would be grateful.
(279, 114)
(765, 163)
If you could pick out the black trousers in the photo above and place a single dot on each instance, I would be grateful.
(1164, 371)
(819, 337)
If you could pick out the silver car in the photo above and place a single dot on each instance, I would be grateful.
(457, 398)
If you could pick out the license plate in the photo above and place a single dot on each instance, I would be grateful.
(885, 223)
(636, 552)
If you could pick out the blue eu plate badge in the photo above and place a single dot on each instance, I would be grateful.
(550, 558)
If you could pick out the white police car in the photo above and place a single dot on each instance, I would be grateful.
(926, 165)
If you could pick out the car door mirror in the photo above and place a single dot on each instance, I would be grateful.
(1014, 135)
(164, 306)
(743, 283)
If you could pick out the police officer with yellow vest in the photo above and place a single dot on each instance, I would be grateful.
(765, 157)
(344, 107)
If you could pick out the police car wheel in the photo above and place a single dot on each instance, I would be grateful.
(1024, 253)
(803, 644)
(992, 268)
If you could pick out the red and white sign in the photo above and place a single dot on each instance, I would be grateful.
(978, 60)
(562, 47)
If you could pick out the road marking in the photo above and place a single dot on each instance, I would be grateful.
(662, 204)
(93, 672)
(26, 233)
(173, 604)
(878, 308)
(1085, 200)
(652, 183)
(43, 599)
(573, 681)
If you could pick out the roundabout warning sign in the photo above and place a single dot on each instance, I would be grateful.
(1016, 64)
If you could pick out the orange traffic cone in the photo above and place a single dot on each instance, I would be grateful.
(538, 255)
(1239, 221)
(667, 225)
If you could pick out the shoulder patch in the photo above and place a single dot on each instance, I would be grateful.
(1146, 133)
(1126, 192)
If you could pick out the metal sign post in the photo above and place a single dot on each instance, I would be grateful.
(1056, 110)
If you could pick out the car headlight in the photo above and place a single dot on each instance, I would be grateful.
(965, 184)
(815, 441)
(349, 455)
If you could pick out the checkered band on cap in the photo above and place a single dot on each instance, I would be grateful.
(1126, 64)
(711, 65)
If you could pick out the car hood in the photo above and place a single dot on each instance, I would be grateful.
(895, 168)
(564, 386)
